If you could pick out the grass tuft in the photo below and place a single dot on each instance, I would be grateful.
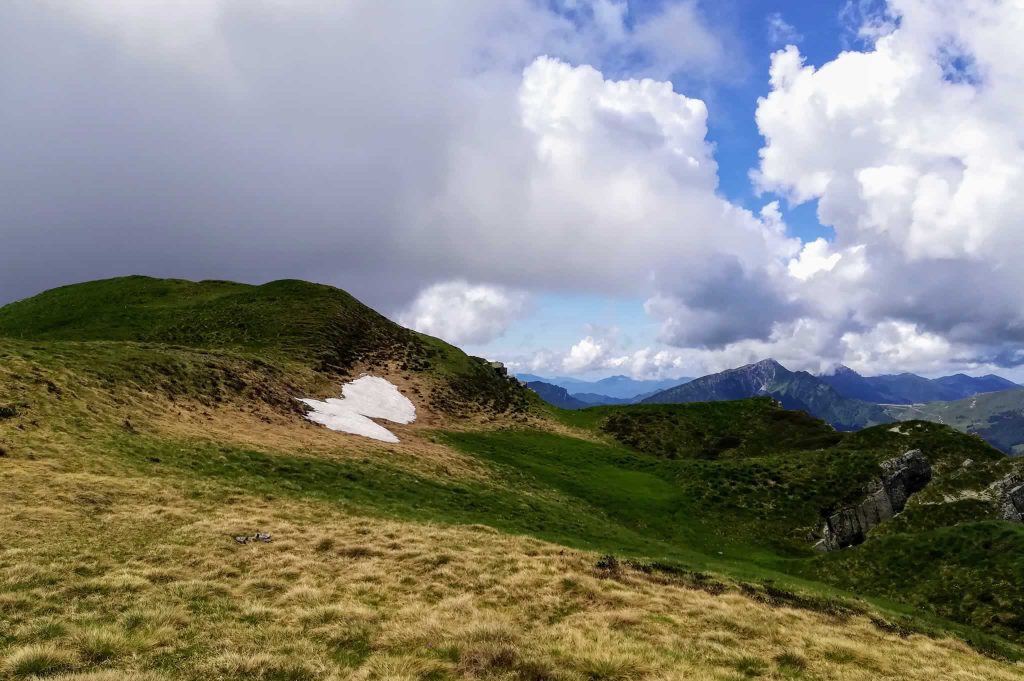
(98, 644)
(263, 667)
(41, 659)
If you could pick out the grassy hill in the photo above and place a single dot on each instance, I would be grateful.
(285, 324)
(998, 417)
(501, 538)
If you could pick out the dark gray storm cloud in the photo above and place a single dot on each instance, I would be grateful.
(717, 302)
(287, 145)
(339, 142)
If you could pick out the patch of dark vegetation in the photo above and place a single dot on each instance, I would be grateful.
(769, 593)
(471, 385)
(740, 429)
(748, 666)
(609, 564)
(899, 629)
(791, 663)
(359, 551)
(665, 573)
(8, 411)
(680, 576)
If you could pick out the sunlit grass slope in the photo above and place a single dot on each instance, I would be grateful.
(123, 577)
(475, 548)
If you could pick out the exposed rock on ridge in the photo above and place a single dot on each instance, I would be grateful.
(886, 496)
(1010, 497)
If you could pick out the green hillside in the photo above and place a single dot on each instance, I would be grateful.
(282, 323)
(998, 417)
(143, 423)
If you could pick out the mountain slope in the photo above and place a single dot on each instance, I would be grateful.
(848, 383)
(998, 417)
(556, 395)
(962, 385)
(594, 399)
(795, 390)
(909, 388)
(617, 387)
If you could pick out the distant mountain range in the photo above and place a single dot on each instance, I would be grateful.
(794, 389)
(989, 406)
(611, 390)
(910, 388)
(556, 395)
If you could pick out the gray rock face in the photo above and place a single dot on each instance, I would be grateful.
(1010, 496)
(885, 497)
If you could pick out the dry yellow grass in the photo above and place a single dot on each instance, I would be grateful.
(55, 422)
(108, 578)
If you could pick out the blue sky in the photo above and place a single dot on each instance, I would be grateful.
(820, 34)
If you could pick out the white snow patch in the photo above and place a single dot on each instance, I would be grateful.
(362, 399)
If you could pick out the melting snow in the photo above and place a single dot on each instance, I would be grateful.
(362, 399)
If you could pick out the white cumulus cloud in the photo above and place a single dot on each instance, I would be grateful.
(815, 256)
(459, 312)
(586, 355)
(910, 145)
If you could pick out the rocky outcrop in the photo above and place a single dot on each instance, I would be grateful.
(885, 497)
(500, 369)
(1010, 497)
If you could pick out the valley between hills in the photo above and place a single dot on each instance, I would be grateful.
(171, 512)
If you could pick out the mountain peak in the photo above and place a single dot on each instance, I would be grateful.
(768, 363)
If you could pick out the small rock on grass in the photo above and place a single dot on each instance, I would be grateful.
(259, 536)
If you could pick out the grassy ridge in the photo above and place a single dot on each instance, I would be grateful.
(282, 323)
(736, 487)
(302, 319)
